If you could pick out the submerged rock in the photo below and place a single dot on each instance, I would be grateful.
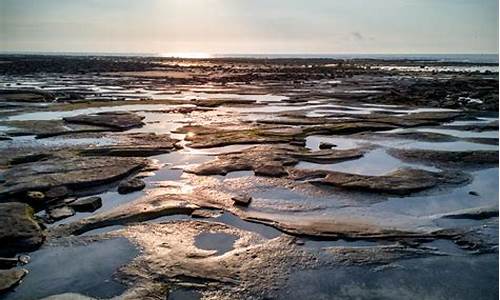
(476, 213)
(18, 229)
(457, 159)
(10, 278)
(116, 120)
(132, 185)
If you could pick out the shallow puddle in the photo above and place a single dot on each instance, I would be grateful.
(83, 269)
(373, 163)
(184, 294)
(454, 277)
(220, 241)
(266, 231)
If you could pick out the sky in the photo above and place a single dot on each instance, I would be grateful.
(250, 26)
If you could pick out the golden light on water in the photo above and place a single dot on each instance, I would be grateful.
(195, 55)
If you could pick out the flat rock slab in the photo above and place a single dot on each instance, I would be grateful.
(49, 128)
(76, 173)
(136, 145)
(447, 158)
(227, 134)
(400, 182)
(116, 120)
(145, 208)
(25, 95)
(271, 160)
(18, 229)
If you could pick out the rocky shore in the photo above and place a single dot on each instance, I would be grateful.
(226, 178)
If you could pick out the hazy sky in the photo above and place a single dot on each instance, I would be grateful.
(250, 26)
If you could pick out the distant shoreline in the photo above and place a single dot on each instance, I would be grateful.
(461, 58)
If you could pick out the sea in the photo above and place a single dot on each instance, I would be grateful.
(475, 58)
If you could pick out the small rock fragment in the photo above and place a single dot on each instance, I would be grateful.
(299, 242)
(59, 213)
(326, 145)
(89, 204)
(23, 259)
(132, 185)
(243, 200)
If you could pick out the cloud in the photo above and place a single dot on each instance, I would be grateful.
(358, 36)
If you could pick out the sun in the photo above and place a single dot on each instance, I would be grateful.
(195, 55)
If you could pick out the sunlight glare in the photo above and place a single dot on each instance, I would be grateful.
(199, 55)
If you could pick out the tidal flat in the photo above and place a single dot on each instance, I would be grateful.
(240, 178)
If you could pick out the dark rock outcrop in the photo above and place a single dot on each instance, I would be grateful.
(18, 229)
